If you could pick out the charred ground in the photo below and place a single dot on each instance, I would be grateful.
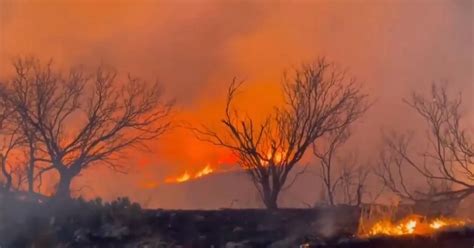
(120, 223)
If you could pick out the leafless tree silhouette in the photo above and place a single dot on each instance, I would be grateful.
(341, 177)
(10, 141)
(448, 163)
(19, 140)
(319, 98)
(75, 120)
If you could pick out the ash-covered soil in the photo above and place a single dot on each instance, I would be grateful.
(124, 224)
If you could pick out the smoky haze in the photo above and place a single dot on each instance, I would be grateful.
(195, 48)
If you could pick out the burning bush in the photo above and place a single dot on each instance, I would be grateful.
(413, 224)
(377, 220)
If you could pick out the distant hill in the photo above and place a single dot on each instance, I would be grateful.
(230, 189)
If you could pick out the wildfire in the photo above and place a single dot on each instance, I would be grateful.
(445, 222)
(183, 178)
(413, 224)
(277, 158)
(186, 176)
(203, 172)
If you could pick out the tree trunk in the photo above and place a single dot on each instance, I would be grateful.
(271, 204)
(63, 191)
(30, 180)
(359, 195)
(8, 176)
(31, 169)
(271, 201)
(270, 197)
(330, 197)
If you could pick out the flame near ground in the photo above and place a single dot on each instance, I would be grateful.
(412, 224)
(208, 169)
(186, 176)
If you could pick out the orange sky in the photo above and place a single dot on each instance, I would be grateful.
(195, 48)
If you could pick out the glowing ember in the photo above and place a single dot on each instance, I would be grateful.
(413, 224)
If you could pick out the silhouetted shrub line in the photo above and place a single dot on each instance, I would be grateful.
(121, 223)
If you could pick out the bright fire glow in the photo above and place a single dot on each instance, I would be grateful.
(413, 224)
(203, 172)
(445, 222)
(183, 178)
(277, 158)
(186, 176)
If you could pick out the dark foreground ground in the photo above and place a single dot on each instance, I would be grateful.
(123, 224)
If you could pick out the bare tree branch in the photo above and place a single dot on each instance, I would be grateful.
(80, 119)
(318, 99)
(447, 165)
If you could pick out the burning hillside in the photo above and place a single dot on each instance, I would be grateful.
(236, 124)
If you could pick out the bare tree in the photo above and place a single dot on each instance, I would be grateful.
(18, 137)
(353, 183)
(318, 99)
(10, 140)
(343, 177)
(447, 165)
(29, 136)
(79, 120)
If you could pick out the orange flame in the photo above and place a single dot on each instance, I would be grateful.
(413, 224)
(183, 178)
(186, 176)
(203, 172)
(277, 158)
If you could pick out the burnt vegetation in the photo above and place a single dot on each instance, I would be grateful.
(121, 223)
(57, 124)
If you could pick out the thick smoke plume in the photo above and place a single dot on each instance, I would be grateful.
(195, 48)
